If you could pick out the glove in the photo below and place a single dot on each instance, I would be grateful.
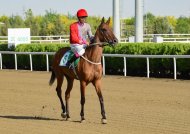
(92, 39)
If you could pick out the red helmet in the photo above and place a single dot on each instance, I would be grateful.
(82, 13)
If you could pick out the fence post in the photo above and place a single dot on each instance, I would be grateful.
(103, 65)
(31, 67)
(148, 67)
(125, 67)
(1, 61)
(175, 74)
(47, 62)
(15, 62)
(60, 39)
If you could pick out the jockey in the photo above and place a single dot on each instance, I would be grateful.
(79, 32)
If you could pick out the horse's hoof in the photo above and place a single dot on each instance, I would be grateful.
(104, 121)
(63, 115)
(68, 119)
(83, 121)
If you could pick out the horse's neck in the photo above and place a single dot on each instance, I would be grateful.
(94, 53)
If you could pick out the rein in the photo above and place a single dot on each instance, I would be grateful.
(100, 44)
(94, 63)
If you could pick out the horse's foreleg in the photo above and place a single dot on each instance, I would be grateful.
(67, 94)
(97, 85)
(59, 94)
(82, 90)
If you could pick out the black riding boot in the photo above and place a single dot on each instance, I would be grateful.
(71, 60)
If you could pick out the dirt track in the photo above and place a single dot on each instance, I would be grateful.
(133, 106)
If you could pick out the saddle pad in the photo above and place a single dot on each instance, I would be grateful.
(65, 58)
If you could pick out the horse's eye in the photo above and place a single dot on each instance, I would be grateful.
(104, 30)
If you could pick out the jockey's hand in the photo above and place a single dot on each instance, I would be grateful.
(87, 43)
(81, 42)
(91, 39)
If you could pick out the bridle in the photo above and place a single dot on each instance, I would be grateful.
(100, 44)
(105, 35)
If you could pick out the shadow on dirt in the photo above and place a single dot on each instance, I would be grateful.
(28, 118)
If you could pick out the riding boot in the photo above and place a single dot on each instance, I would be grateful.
(71, 60)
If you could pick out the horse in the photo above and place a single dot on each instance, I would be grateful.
(88, 70)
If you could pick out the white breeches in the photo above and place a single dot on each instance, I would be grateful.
(77, 48)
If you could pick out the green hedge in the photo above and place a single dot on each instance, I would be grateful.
(158, 67)
(34, 47)
(135, 66)
(8, 60)
(39, 61)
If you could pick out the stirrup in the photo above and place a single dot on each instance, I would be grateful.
(70, 66)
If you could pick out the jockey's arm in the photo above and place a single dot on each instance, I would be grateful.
(74, 36)
(90, 36)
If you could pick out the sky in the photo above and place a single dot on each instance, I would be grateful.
(100, 8)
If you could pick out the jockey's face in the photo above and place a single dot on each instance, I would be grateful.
(82, 19)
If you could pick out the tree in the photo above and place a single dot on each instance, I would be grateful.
(16, 21)
(53, 23)
(149, 23)
(183, 25)
(130, 26)
(172, 22)
(162, 26)
(63, 24)
(4, 27)
(48, 23)
(94, 22)
(32, 22)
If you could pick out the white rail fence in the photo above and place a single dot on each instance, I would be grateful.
(183, 38)
(25, 53)
(179, 40)
(42, 39)
(125, 56)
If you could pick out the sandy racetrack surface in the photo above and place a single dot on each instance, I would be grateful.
(28, 105)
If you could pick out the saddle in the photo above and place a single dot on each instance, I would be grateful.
(66, 57)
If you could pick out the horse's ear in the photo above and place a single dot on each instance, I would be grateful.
(108, 21)
(102, 20)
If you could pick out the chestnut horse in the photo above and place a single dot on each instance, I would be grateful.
(88, 70)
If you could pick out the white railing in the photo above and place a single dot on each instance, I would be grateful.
(147, 57)
(42, 39)
(3, 39)
(50, 39)
(125, 56)
(26, 53)
(183, 38)
(150, 39)
(170, 35)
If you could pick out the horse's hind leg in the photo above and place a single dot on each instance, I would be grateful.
(67, 94)
(59, 94)
(97, 85)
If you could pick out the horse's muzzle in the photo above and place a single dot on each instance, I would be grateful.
(113, 42)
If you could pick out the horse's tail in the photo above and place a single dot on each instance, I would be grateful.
(52, 79)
